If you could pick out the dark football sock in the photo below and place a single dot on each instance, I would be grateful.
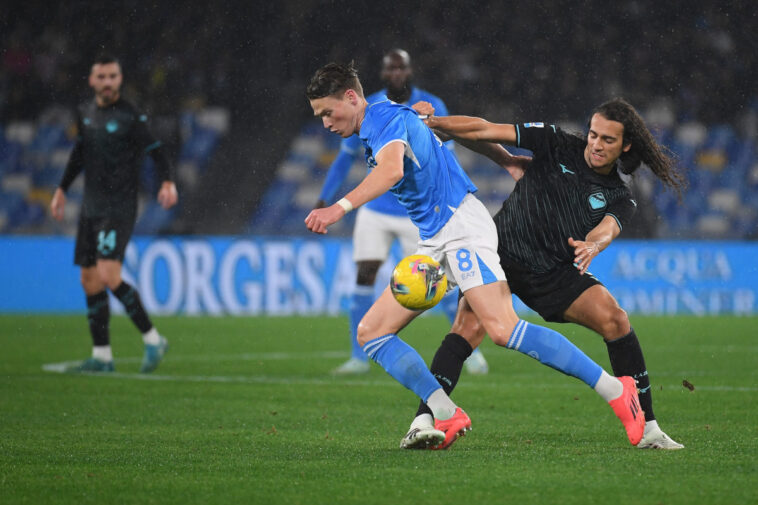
(447, 365)
(627, 359)
(98, 316)
(133, 305)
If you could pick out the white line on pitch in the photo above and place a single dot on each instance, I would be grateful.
(327, 380)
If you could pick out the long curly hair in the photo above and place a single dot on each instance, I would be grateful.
(661, 161)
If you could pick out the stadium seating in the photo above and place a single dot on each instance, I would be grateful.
(721, 201)
(34, 155)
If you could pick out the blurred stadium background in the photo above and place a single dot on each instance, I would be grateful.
(223, 85)
(225, 420)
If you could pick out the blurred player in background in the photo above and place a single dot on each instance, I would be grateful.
(383, 220)
(112, 141)
(455, 229)
(568, 205)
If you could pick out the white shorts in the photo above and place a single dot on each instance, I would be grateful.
(467, 247)
(374, 233)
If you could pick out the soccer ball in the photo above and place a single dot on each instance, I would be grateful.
(418, 282)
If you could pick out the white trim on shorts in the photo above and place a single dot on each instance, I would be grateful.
(374, 233)
(467, 246)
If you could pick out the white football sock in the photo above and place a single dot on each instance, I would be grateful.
(423, 421)
(609, 387)
(651, 426)
(151, 337)
(442, 406)
(102, 353)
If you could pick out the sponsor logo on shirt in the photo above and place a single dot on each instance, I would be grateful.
(564, 169)
(534, 125)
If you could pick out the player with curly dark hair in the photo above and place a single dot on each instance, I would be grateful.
(568, 205)
(404, 156)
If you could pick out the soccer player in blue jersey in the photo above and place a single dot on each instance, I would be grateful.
(383, 220)
(405, 156)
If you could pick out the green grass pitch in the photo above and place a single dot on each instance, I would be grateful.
(243, 410)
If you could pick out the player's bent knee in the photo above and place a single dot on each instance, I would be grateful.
(499, 332)
(90, 281)
(500, 339)
(616, 324)
(363, 334)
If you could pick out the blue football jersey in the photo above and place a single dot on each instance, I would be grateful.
(350, 148)
(433, 183)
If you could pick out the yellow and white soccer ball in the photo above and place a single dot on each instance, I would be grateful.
(418, 282)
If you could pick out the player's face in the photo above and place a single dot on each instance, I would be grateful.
(106, 79)
(396, 72)
(605, 143)
(339, 114)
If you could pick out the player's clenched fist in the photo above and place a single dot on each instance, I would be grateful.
(319, 219)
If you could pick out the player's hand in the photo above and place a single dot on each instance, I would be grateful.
(58, 204)
(319, 219)
(423, 108)
(167, 195)
(320, 204)
(516, 165)
(584, 253)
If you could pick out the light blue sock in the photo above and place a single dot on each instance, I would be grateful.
(554, 350)
(360, 302)
(449, 305)
(403, 363)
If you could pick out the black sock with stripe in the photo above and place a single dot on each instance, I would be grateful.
(627, 359)
(98, 317)
(447, 365)
(133, 305)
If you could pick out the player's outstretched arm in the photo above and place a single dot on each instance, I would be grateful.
(167, 195)
(596, 241)
(387, 172)
(473, 128)
(514, 165)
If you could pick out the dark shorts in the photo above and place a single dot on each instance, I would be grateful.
(101, 238)
(549, 294)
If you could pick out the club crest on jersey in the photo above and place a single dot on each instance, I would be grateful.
(111, 126)
(534, 125)
(597, 201)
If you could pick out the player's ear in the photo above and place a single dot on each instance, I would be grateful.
(351, 96)
(626, 147)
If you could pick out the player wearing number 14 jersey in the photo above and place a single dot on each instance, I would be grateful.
(112, 141)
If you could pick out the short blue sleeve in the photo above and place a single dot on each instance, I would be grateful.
(395, 129)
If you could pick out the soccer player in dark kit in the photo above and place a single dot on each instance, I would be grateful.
(454, 229)
(568, 205)
(113, 139)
